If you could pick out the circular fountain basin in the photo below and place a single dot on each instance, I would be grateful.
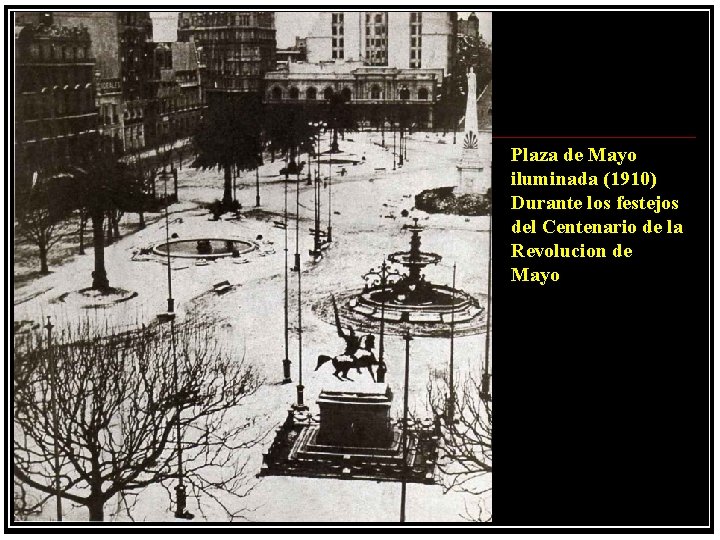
(441, 300)
(204, 248)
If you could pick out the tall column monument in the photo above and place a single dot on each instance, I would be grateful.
(474, 174)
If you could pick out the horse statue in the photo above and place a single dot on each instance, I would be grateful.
(364, 358)
(358, 352)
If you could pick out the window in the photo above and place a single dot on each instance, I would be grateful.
(311, 93)
(294, 93)
(338, 44)
(423, 93)
(375, 92)
(328, 93)
(376, 39)
(346, 94)
(404, 93)
(415, 39)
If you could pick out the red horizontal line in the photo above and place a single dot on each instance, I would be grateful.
(594, 137)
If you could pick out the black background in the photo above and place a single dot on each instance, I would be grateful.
(601, 381)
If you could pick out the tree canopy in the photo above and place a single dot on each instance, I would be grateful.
(229, 138)
(118, 408)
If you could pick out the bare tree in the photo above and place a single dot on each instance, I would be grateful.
(466, 440)
(117, 412)
(41, 211)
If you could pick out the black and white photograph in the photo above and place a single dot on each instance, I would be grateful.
(252, 267)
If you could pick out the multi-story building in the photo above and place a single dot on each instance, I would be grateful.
(469, 27)
(120, 45)
(54, 95)
(389, 66)
(399, 39)
(377, 94)
(176, 104)
(289, 55)
(236, 48)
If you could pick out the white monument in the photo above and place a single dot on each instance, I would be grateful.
(474, 171)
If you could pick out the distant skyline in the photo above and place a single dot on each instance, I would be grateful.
(288, 24)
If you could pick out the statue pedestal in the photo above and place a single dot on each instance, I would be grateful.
(353, 437)
(474, 177)
(355, 415)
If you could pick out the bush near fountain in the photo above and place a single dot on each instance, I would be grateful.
(444, 201)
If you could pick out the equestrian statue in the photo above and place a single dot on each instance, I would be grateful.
(358, 352)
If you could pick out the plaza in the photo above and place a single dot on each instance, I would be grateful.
(369, 204)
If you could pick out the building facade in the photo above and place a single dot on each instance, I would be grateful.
(54, 96)
(176, 104)
(289, 55)
(396, 39)
(389, 66)
(120, 41)
(377, 94)
(236, 48)
(469, 27)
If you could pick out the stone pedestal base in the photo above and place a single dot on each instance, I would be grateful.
(355, 415)
(474, 178)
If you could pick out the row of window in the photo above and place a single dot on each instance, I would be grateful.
(376, 48)
(208, 36)
(33, 79)
(375, 93)
(219, 19)
(377, 17)
(58, 103)
(54, 51)
(338, 29)
(379, 30)
(415, 40)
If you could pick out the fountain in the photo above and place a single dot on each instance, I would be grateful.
(204, 248)
(409, 297)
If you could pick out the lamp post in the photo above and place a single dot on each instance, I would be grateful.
(400, 159)
(382, 130)
(451, 404)
(257, 186)
(317, 243)
(286, 361)
(300, 405)
(56, 432)
(393, 126)
(170, 301)
(296, 268)
(405, 145)
(485, 381)
(180, 492)
(403, 493)
(329, 226)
